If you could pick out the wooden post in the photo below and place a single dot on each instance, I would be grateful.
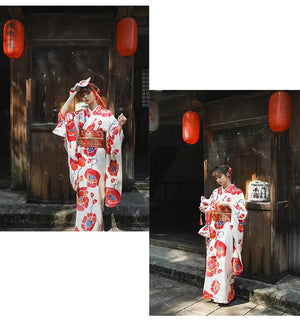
(123, 88)
(30, 102)
(18, 117)
(123, 93)
(279, 205)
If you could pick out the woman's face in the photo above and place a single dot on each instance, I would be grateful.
(88, 97)
(222, 179)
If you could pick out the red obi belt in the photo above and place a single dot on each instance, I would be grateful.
(91, 138)
(222, 213)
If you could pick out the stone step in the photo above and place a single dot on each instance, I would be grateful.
(58, 218)
(141, 185)
(181, 241)
(189, 267)
(132, 214)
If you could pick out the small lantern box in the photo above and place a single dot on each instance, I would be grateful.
(259, 191)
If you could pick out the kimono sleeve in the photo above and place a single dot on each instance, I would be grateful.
(238, 216)
(208, 204)
(67, 129)
(113, 175)
(60, 129)
(240, 210)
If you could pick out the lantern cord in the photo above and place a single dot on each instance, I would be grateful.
(97, 95)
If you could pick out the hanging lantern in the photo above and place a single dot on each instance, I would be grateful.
(13, 38)
(190, 127)
(127, 36)
(279, 111)
(153, 116)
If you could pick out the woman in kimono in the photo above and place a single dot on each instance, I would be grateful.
(225, 214)
(95, 170)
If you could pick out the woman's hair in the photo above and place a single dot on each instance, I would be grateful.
(221, 169)
(87, 89)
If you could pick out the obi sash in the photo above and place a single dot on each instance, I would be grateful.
(221, 213)
(91, 138)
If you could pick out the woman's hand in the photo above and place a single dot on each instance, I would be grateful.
(67, 104)
(72, 92)
(121, 120)
(202, 209)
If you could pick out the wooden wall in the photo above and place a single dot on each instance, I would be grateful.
(49, 172)
(256, 246)
(294, 186)
(61, 54)
(238, 135)
(18, 118)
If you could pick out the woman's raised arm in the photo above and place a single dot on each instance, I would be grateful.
(66, 106)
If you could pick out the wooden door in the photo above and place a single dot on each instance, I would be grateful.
(55, 70)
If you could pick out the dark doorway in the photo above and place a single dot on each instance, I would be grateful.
(176, 168)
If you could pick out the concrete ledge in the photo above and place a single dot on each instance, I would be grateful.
(189, 267)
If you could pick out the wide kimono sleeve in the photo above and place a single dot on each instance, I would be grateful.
(67, 128)
(238, 217)
(113, 175)
(208, 204)
(60, 129)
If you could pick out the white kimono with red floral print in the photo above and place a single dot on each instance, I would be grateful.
(224, 242)
(95, 173)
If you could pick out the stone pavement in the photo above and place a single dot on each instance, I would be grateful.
(132, 213)
(179, 261)
(170, 297)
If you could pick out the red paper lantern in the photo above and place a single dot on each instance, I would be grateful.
(13, 38)
(190, 127)
(127, 36)
(279, 111)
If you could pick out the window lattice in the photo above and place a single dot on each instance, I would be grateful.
(145, 88)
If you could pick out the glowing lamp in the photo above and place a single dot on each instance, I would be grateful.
(13, 38)
(279, 111)
(190, 127)
(127, 36)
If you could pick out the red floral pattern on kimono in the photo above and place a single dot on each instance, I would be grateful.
(237, 266)
(211, 266)
(95, 173)
(231, 293)
(215, 287)
(224, 242)
(89, 222)
(220, 249)
(207, 295)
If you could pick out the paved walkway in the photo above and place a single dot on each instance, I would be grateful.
(189, 267)
(169, 297)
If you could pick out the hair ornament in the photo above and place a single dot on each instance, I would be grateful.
(97, 96)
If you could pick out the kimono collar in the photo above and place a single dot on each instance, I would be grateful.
(96, 110)
(89, 112)
(227, 189)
